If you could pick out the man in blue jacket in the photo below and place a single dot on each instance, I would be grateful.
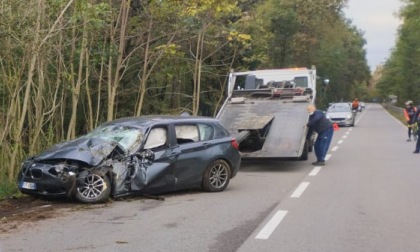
(416, 119)
(319, 123)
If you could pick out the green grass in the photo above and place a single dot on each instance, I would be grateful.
(8, 190)
(397, 115)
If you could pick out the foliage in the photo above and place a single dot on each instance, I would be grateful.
(67, 66)
(401, 73)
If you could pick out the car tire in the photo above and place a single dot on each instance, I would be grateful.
(216, 176)
(93, 188)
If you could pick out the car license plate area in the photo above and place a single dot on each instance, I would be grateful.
(28, 185)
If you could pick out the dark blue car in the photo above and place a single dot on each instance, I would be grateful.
(136, 155)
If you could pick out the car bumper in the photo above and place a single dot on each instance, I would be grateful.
(235, 161)
(40, 181)
(342, 122)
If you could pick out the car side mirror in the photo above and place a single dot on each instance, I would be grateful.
(147, 154)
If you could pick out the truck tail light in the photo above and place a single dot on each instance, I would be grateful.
(234, 143)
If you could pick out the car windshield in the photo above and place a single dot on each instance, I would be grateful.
(125, 136)
(339, 108)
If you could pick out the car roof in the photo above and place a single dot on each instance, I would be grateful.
(150, 120)
(340, 103)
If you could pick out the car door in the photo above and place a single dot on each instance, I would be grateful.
(155, 175)
(195, 147)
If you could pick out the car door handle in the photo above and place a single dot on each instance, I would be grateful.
(206, 145)
(175, 153)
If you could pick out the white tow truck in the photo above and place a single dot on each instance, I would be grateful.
(265, 110)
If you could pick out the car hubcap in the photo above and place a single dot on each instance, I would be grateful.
(92, 186)
(218, 176)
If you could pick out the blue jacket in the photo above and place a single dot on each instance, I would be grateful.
(318, 122)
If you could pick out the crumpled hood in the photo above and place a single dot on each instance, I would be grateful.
(91, 151)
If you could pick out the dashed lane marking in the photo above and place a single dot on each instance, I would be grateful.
(327, 156)
(271, 225)
(315, 171)
(335, 148)
(340, 142)
(301, 188)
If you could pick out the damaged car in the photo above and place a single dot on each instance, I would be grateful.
(136, 155)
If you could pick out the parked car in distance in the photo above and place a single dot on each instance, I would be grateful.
(136, 155)
(341, 113)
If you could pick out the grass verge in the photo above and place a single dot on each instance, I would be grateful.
(8, 189)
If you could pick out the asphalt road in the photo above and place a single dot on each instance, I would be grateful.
(365, 199)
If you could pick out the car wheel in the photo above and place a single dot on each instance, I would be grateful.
(217, 176)
(93, 188)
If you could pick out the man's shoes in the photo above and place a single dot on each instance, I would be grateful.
(409, 140)
(416, 152)
(319, 163)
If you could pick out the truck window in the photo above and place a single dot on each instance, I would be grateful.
(301, 81)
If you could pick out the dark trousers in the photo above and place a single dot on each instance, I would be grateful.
(418, 141)
(322, 143)
(410, 129)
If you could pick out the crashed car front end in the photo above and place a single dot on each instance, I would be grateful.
(47, 179)
(81, 168)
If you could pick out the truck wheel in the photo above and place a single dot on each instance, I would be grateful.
(217, 176)
(305, 151)
(93, 188)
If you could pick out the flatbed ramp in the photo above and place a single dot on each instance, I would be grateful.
(267, 128)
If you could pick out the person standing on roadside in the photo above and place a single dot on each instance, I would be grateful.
(409, 113)
(319, 123)
(415, 119)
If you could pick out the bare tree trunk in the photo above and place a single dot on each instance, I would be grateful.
(101, 73)
(71, 133)
(144, 77)
(89, 98)
(39, 109)
(197, 71)
(18, 130)
(113, 86)
(147, 67)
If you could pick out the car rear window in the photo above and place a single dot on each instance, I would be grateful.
(220, 132)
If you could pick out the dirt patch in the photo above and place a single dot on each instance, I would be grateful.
(25, 211)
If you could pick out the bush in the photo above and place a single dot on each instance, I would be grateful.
(8, 189)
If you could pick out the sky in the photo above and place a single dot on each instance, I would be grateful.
(378, 20)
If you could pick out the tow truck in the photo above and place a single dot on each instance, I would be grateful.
(266, 111)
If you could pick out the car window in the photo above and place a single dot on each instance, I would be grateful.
(339, 108)
(157, 139)
(129, 138)
(186, 134)
(219, 132)
(206, 132)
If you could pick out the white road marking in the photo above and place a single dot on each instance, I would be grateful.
(348, 132)
(340, 142)
(271, 225)
(351, 129)
(301, 188)
(345, 136)
(327, 157)
(334, 148)
(315, 171)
